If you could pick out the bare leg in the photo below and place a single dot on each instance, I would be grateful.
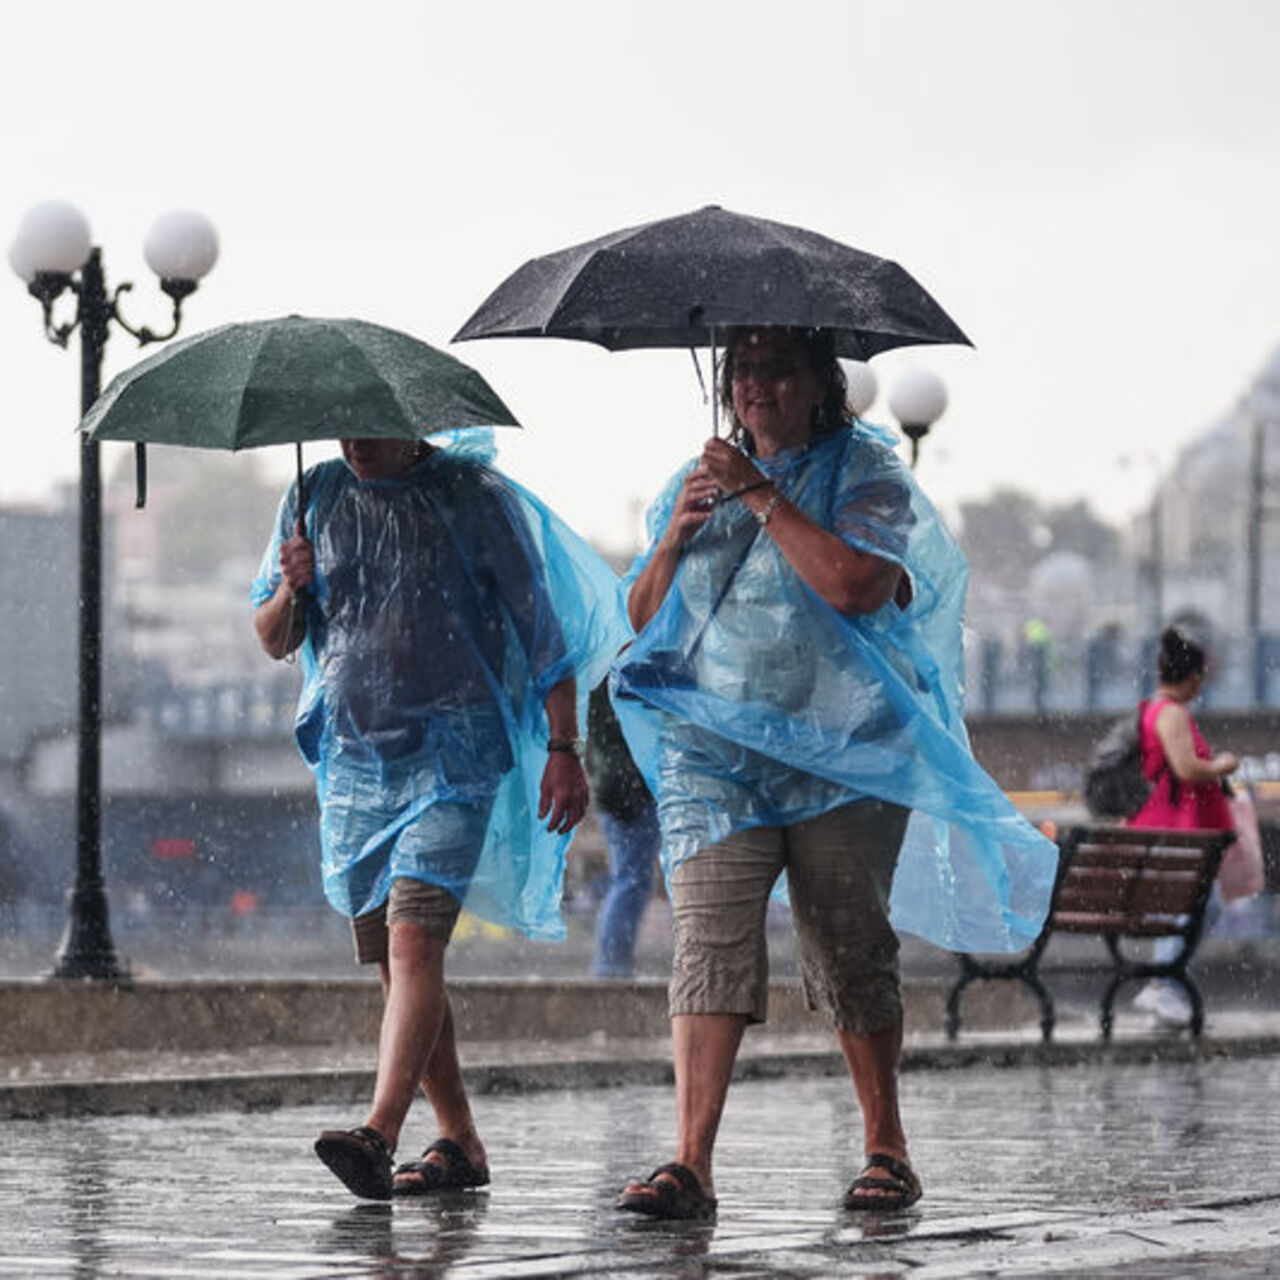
(873, 1064)
(444, 1089)
(417, 1046)
(705, 1047)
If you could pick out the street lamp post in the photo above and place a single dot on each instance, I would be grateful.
(1157, 570)
(1253, 550)
(1261, 408)
(1157, 558)
(54, 252)
(918, 399)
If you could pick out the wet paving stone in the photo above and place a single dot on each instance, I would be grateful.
(1146, 1171)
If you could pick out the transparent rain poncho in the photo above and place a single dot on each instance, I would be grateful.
(421, 713)
(749, 701)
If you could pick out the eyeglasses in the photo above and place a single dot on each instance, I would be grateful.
(773, 369)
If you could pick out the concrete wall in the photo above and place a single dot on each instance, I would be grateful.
(1033, 753)
(51, 1017)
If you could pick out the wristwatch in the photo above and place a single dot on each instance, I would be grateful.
(765, 514)
(572, 745)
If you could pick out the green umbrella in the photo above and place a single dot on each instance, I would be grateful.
(287, 381)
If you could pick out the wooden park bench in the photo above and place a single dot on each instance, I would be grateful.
(1121, 884)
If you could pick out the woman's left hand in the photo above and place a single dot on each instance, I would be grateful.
(564, 794)
(728, 466)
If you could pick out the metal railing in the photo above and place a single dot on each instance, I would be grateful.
(1061, 676)
(1090, 675)
(229, 709)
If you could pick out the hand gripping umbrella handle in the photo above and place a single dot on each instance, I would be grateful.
(300, 526)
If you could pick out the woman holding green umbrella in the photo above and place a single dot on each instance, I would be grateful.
(446, 621)
(449, 627)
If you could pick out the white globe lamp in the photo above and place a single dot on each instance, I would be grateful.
(181, 248)
(863, 385)
(53, 238)
(917, 400)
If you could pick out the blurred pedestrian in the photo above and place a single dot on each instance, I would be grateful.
(444, 618)
(1038, 639)
(629, 820)
(1188, 791)
(792, 694)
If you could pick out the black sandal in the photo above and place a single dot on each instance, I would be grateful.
(360, 1159)
(672, 1192)
(901, 1189)
(457, 1173)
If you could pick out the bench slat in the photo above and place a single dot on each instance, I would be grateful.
(1120, 925)
(1131, 892)
(1137, 855)
(1146, 837)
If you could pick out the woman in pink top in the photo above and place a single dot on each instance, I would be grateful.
(1187, 792)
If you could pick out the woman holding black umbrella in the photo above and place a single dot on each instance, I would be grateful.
(792, 696)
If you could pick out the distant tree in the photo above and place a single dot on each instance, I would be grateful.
(222, 513)
(1006, 534)
(1074, 527)
(209, 509)
(1003, 535)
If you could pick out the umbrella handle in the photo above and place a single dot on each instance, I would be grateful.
(140, 474)
(715, 389)
(301, 527)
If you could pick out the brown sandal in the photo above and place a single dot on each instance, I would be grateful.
(456, 1173)
(672, 1192)
(900, 1189)
(360, 1159)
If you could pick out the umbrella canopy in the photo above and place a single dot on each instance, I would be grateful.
(680, 282)
(291, 380)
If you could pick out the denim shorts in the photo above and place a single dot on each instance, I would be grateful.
(839, 869)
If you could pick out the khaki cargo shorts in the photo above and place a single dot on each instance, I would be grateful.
(410, 901)
(839, 869)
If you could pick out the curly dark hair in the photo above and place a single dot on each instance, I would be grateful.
(1180, 657)
(819, 348)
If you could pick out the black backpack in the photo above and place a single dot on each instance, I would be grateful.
(1114, 784)
(617, 786)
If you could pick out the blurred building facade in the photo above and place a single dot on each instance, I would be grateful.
(202, 784)
(1204, 555)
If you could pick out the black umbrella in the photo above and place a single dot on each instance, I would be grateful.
(680, 282)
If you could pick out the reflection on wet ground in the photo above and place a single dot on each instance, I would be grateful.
(1151, 1170)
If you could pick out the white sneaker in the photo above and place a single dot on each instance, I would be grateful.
(1166, 1002)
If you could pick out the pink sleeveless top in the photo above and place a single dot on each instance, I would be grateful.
(1172, 802)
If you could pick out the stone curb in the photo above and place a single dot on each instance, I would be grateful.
(588, 1069)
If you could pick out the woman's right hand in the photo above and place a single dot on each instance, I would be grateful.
(297, 564)
(1225, 763)
(694, 505)
(281, 621)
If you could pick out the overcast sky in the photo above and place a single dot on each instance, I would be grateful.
(1091, 189)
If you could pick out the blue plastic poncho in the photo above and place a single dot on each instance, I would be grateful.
(447, 603)
(749, 701)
